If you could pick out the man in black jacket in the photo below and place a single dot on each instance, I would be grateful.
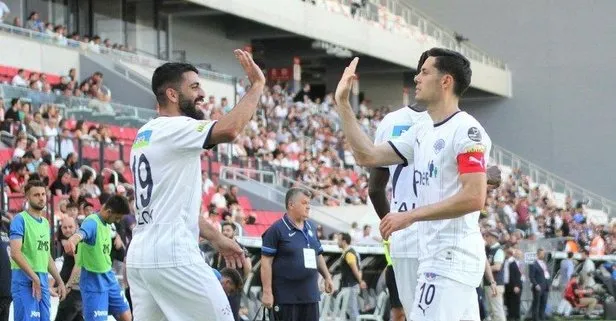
(513, 288)
(540, 281)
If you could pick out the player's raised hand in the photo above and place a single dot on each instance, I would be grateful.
(393, 222)
(346, 83)
(230, 251)
(252, 70)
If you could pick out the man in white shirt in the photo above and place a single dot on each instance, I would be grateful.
(20, 78)
(169, 279)
(450, 156)
(4, 11)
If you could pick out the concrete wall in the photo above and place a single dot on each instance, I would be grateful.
(204, 40)
(34, 55)
(561, 54)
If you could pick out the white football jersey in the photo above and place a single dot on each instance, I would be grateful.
(452, 248)
(404, 196)
(166, 165)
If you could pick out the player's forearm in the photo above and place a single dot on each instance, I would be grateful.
(247, 267)
(376, 190)
(460, 204)
(234, 122)
(21, 261)
(75, 239)
(361, 145)
(75, 275)
(322, 266)
(208, 231)
(51, 268)
(266, 275)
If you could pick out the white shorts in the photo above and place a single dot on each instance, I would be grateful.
(190, 292)
(405, 270)
(442, 299)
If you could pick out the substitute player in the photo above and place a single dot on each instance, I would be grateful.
(168, 277)
(31, 260)
(449, 156)
(402, 245)
(100, 291)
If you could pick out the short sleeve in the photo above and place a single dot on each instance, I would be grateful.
(380, 135)
(17, 228)
(472, 147)
(88, 231)
(499, 257)
(404, 145)
(269, 244)
(350, 258)
(189, 134)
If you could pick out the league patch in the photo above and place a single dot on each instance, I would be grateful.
(474, 134)
(142, 139)
(201, 126)
(399, 130)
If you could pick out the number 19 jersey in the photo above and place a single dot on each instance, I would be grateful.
(404, 194)
(166, 166)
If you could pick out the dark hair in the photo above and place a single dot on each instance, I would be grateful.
(345, 237)
(32, 184)
(14, 101)
(452, 63)
(85, 177)
(117, 204)
(72, 205)
(293, 192)
(234, 276)
(228, 224)
(570, 255)
(169, 75)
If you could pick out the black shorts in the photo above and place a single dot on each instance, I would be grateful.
(390, 280)
(296, 312)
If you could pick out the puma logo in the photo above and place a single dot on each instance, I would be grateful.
(475, 160)
(422, 309)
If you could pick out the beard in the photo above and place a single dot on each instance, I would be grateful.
(36, 207)
(189, 108)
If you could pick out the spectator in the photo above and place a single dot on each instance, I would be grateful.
(4, 12)
(20, 78)
(87, 185)
(231, 197)
(62, 184)
(13, 112)
(496, 259)
(577, 296)
(218, 200)
(17, 178)
(514, 281)
(567, 268)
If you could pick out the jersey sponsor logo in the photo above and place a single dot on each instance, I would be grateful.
(202, 125)
(142, 139)
(42, 245)
(399, 130)
(439, 145)
(100, 313)
(423, 178)
(35, 314)
(474, 134)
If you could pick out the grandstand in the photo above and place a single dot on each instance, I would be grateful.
(50, 118)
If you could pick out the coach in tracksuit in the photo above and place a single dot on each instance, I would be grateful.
(290, 262)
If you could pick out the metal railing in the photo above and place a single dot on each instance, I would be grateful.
(118, 113)
(112, 53)
(556, 183)
(395, 15)
(276, 179)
